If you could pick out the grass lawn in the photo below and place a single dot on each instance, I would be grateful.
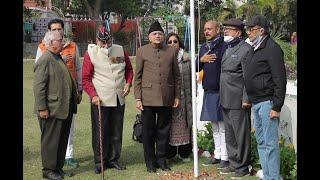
(131, 155)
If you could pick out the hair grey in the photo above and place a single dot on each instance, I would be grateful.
(49, 36)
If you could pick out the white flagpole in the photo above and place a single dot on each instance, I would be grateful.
(194, 105)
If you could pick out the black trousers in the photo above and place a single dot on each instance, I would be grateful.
(112, 126)
(238, 138)
(155, 133)
(54, 141)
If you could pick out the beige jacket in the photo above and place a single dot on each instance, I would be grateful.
(109, 77)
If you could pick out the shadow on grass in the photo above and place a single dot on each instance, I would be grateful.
(86, 165)
(85, 159)
(132, 154)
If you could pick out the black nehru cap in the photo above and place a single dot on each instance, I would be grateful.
(155, 27)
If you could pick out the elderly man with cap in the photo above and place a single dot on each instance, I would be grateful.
(265, 82)
(157, 90)
(233, 98)
(107, 75)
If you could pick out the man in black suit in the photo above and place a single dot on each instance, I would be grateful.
(233, 98)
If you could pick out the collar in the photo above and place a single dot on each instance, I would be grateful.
(66, 42)
(211, 44)
(263, 43)
(161, 45)
(234, 42)
(180, 55)
(58, 56)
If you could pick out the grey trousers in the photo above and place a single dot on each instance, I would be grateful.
(238, 138)
(54, 140)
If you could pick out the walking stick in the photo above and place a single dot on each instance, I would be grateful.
(101, 147)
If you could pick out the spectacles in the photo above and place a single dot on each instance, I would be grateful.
(252, 29)
(172, 42)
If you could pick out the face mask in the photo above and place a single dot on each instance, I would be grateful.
(228, 38)
(257, 40)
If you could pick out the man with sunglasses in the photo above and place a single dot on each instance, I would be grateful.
(265, 81)
(157, 91)
(234, 100)
(70, 56)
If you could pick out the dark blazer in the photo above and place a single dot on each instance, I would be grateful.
(211, 71)
(157, 77)
(265, 76)
(232, 91)
(51, 89)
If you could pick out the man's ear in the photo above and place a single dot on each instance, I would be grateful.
(218, 30)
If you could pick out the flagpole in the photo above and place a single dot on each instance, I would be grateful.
(194, 106)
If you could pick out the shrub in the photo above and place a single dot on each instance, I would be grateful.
(205, 138)
(293, 172)
(288, 158)
(290, 55)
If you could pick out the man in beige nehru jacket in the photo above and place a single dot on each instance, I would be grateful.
(106, 76)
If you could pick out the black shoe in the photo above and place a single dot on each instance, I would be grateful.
(227, 170)
(97, 169)
(164, 166)
(65, 174)
(223, 164)
(116, 165)
(151, 169)
(51, 175)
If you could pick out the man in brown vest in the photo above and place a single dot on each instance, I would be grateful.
(157, 90)
(70, 56)
(107, 76)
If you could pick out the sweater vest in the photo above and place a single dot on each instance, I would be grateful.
(108, 76)
(69, 49)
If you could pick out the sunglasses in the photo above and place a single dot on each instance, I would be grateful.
(174, 42)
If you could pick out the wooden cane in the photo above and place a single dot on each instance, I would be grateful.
(101, 147)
